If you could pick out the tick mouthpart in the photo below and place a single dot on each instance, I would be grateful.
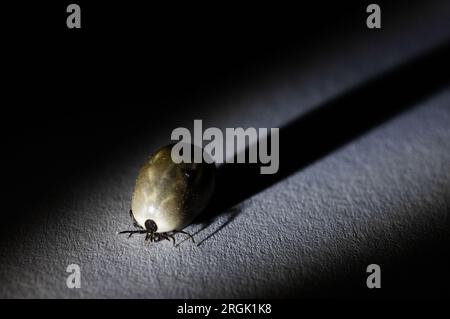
(150, 226)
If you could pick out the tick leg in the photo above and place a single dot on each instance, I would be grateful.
(168, 237)
(171, 237)
(135, 224)
(160, 236)
(186, 233)
(132, 232)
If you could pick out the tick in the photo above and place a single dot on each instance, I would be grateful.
(168, 196)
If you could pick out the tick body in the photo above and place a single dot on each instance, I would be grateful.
(168, 196)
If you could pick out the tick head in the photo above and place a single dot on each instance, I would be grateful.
(150, 226)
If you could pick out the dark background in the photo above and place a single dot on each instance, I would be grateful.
(76, 100)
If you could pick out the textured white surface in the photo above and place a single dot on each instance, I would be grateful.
(312, 226)
(321, 223)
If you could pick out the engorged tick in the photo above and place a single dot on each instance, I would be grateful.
(168, 196)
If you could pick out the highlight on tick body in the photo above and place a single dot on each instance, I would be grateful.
(222, 147)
